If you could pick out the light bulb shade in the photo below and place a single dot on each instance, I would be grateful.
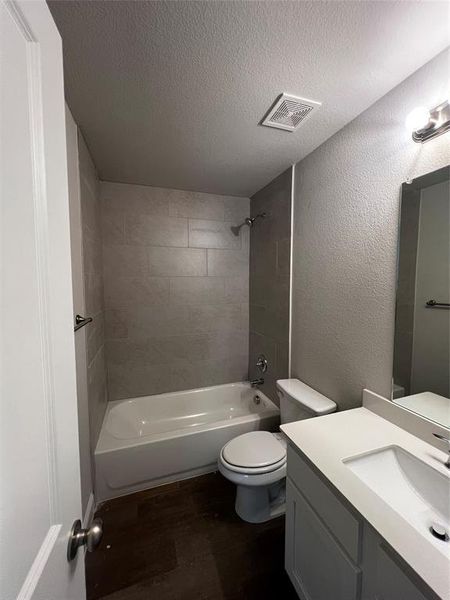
(418, 119)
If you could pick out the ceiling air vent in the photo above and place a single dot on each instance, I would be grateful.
(289, 112)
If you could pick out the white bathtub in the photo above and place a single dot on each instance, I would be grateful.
(148, 441)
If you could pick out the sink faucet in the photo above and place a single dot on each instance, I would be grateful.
(445, 439)
(255, 382)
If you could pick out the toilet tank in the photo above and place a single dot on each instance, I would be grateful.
(298, 401)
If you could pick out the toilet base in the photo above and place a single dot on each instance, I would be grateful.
(257, 504)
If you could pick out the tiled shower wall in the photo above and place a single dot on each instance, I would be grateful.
(270, 252)
(93, 289)
(176, 289)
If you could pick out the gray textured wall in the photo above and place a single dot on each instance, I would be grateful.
(93, 290)
(345, 242)
(270, 253)
(176, 289)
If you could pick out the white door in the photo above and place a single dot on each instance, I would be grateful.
(39, 479)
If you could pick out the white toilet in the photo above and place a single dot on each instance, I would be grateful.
(256, 461)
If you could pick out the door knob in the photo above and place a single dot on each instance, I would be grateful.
(84, 537)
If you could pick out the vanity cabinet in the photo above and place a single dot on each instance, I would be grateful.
(332, 553)
(385, 577)
(317, 565)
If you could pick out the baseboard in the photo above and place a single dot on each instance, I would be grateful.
(89, 512)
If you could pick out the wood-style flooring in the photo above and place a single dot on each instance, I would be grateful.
(184, 541)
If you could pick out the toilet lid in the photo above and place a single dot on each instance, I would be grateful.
(254, 449)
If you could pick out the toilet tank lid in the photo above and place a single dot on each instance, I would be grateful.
(305, 395)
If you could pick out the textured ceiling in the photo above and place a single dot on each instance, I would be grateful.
(170, 94)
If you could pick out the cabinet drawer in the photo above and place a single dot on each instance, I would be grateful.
(344, 525)
(316, 563)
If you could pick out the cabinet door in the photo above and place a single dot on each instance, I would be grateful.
(392, 582)
(384, 576)
(316, 564)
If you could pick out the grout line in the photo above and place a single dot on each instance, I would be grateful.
(132, 245)
(155, 187)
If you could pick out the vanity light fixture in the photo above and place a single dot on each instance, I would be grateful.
(428, 124)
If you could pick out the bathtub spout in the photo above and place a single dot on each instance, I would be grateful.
(255, 382)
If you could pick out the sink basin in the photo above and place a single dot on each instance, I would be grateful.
(419, 493)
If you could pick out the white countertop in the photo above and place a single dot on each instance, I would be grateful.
(330, 439)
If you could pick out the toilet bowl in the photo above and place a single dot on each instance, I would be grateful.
(256, 461)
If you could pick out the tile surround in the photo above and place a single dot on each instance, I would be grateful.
(177, 262)
(154, 230)
(93, 289)
(175, 289)
(128, 291)
(270, 281)
(138, 321)
(227, 263)
(120, 260)
(212, 234)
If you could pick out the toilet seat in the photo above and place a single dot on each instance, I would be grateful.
(252, 470)
(254, 453)
(252, 479)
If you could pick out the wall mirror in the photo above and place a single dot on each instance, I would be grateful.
(421, 372)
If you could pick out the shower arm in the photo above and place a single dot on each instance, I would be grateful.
(247, 221)
(250, 220)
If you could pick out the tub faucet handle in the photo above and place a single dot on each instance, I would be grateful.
(262, 363)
